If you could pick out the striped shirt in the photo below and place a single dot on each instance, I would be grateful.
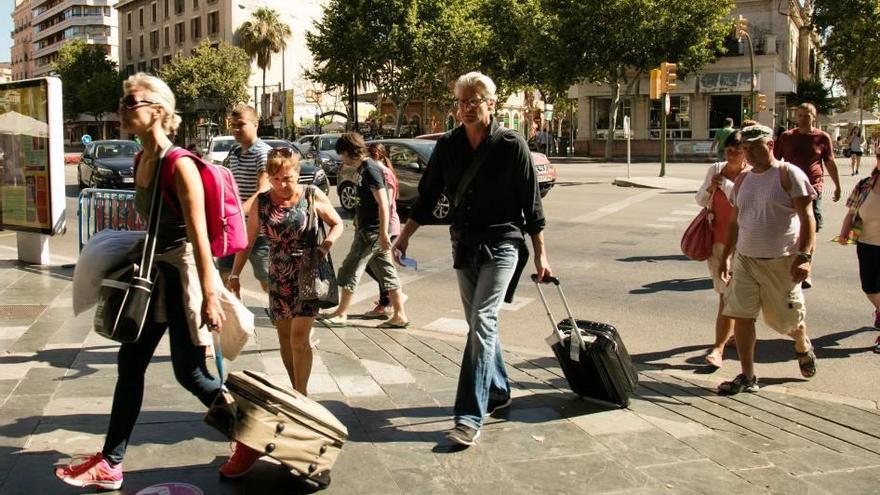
(768, 222)
(247, 165)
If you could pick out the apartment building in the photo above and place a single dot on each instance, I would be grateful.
(5, 72)
(58, 21)
(785, 52)
(152, 32)
(22, 37)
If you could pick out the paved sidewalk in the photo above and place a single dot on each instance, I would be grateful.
(394, 391)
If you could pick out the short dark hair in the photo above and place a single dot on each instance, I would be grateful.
(734, 139)
(351, 143)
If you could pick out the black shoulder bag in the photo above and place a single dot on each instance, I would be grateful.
(317, 278)
(125, 293)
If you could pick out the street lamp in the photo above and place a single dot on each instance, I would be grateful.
(742, 31)
(862, 81)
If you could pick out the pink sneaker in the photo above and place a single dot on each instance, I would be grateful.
(85, 471)
(242, 460)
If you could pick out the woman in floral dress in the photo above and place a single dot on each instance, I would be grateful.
(281, 214)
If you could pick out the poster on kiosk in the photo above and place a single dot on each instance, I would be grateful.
(32, 199)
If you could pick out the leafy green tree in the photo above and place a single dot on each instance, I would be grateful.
(262, 36)
(618, 41)
(215, 77)
(815, 92)
(90, 80)
(851, 45)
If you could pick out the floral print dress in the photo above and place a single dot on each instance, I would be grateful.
(287, 231)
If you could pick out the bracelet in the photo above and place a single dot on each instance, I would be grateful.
(233, 277)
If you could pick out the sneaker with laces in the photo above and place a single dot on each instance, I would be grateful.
(739, 384)
(497, 406)
(463, 434)
(242, 460)
(93, 470)
(877, 320)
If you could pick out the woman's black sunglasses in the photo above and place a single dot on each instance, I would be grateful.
(130, 102)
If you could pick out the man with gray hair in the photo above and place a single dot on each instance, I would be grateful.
(773, 230)
(488, 172)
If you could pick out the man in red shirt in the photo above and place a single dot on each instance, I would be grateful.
(810, 149)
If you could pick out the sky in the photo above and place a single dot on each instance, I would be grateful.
(6, 29)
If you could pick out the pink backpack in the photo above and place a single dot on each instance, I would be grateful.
(223, 214)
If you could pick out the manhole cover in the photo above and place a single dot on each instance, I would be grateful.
(171, 489)
(20, 311)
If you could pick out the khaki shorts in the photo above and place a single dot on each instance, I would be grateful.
(365, 251)
(714, 262)
(764, 286)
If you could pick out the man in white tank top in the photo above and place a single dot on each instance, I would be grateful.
(773, 231)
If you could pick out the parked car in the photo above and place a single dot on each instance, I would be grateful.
(322, 149)
(546, 170)
(305, 142)
(218, 148)
(107, 164)
(309, 173)
(409, 157)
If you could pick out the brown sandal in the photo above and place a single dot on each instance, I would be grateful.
(807, 362)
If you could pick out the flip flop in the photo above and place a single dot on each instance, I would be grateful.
(391, 324)
(807, 362)
(334, 322)
(714, 360)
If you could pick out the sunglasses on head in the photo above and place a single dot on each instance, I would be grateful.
(130, 102)
(283, 151)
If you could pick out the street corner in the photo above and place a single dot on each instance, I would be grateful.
(673, 184)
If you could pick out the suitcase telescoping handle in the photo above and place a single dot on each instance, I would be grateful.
(218, 355)
(577, 341)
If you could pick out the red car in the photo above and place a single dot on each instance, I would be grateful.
(546, 170)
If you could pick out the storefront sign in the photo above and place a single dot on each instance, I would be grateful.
(32, 157)
(727, 82)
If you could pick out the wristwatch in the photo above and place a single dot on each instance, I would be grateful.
(805, 256)
(233, 277)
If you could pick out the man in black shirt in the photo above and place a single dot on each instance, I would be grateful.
(488, 172)
(372, 243)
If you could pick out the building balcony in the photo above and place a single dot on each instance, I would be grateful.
(54, 47)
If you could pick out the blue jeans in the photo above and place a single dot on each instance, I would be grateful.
(188, 361)
(482, 376)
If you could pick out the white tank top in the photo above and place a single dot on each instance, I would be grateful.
(768, 222)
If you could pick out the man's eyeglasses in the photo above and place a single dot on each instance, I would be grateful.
(130, 102)
(471, 102)
(283, 151)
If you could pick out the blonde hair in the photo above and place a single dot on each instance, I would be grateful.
(478, 80)
(276, 163)
(158, 92)
(247, 112)
(809, 107)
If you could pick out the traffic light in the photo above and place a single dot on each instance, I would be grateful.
(668, 76)
(741, 25)
(656, 88)
(760, 102)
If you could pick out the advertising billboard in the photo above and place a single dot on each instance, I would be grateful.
(31, 157)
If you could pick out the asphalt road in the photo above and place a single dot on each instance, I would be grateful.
(616, 252)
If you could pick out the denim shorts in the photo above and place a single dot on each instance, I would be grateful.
(259, 259)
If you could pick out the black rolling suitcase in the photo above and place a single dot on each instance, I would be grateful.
(595, 361)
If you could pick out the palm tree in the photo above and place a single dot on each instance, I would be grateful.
(262, 36)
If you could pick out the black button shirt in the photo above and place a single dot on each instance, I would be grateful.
(501, 201)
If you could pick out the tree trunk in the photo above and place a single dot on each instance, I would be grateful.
(262, 95)
(400, 109)
(612, 124)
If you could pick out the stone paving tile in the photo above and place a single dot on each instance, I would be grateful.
(647, 448)
(472, 465)
(401, 354)
(359, 470)
(775, 480)
(727, 453)
(612, 422)
(590, 473)
(850, 481)
(700, 477)
(423, 481)
(817, 459)
(537, 441)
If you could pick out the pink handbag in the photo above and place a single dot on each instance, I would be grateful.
(696, 243)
